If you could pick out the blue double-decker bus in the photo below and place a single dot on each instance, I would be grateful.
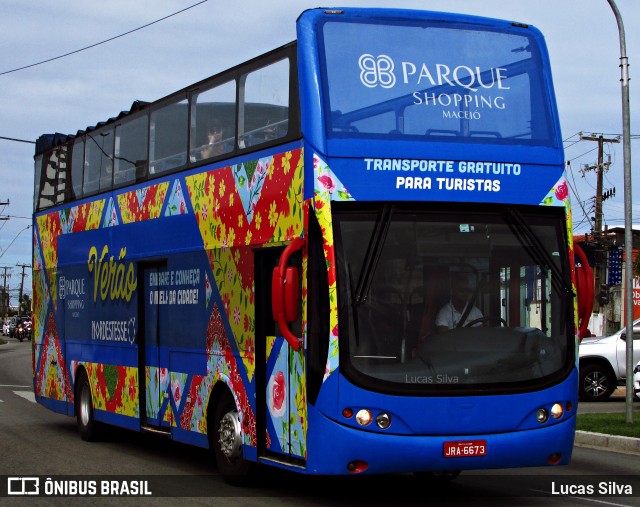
(350, 255)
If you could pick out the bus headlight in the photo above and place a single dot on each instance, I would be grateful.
(557, 411)
(364, 417)
(383, 420)
(542, 415)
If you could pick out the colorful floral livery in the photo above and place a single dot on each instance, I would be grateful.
(345, 256)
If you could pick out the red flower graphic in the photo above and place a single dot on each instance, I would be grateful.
(327, 182)
(277, 389)
(562, 191)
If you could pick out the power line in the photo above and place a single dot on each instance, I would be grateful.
(15, 216)
(13, 241)
(17, 140)
(585, 153)
(102, 42)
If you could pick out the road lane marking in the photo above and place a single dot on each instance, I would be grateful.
(27, 395)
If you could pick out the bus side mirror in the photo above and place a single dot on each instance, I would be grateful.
(285, 295)
(585, 290)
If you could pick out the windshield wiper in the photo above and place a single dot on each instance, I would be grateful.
(541, 255)
(374, 250)
(354, 306)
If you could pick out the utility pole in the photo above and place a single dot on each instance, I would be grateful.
(6, 300)
(600, 288)
(23, 266)
(600, 167)
(628, 233)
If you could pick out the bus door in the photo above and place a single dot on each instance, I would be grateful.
(279, 370)
(152, 377)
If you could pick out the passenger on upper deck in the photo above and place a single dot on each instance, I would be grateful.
(215, 136)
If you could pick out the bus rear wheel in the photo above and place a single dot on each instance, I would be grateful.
(87, 425)
(226, 441)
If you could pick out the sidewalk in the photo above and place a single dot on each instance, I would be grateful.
(614, 443)
(607, 442)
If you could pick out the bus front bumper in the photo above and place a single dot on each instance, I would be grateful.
(343, 450)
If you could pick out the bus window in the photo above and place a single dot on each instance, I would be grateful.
(264, 104)
(168, 137)
(498, 100)
(131, 151)
(63, 185)
(213, 122)
(77, 164)
(383, 123)
(98, 161)
(49, 179)
(40, 201)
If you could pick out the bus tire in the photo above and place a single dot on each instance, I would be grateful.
(87, 425)
(225, 439)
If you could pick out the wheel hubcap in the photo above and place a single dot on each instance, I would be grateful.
(85, 405)
(596, 384)
(230, 436)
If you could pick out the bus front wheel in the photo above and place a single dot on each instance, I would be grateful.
(226, 442)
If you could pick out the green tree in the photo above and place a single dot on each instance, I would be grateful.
(25, 305)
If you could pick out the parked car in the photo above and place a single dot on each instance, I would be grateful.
(5, 327)
(636, 381)
(603, 364)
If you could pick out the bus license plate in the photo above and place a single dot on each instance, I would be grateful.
(465, 449)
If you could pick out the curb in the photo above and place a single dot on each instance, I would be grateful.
(609, 442)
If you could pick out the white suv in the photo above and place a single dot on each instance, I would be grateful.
(603, 364)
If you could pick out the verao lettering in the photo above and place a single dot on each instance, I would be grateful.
(111, 279)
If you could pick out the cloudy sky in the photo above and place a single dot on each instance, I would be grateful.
(70, 93)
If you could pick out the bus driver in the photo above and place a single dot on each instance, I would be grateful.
(459, 307)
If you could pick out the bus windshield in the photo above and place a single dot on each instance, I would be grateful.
(443, 298)
(453, 82)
